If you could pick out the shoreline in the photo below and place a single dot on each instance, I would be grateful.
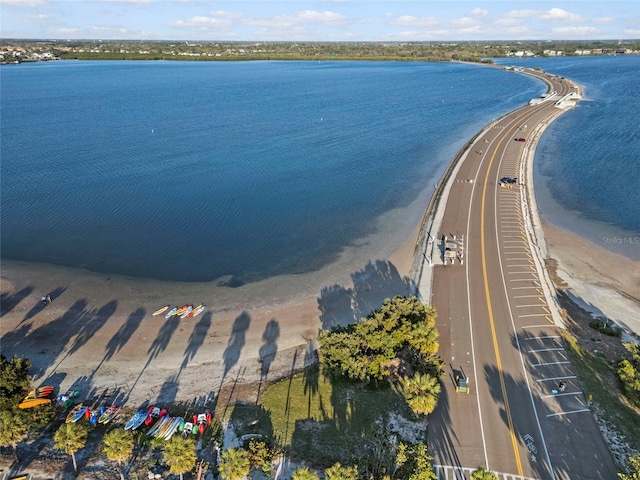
(105, 339)
(106, 342)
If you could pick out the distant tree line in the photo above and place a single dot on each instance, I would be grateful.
(389, 51)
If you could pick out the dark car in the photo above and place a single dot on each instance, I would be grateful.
(520, 139)
(509, 180)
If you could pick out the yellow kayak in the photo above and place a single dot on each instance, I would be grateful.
(33, 402)
(161, 310)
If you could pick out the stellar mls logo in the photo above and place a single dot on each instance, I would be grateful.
(621, 240)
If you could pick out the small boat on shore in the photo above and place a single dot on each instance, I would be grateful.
(108, 414)
(161, 310)
(172, 312)
(136, 420)
(187, 312)
(198, 310)
(182, 309)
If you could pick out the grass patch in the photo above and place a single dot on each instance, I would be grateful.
(326, 420)
(600, 381)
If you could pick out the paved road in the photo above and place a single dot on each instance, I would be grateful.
(497, 324)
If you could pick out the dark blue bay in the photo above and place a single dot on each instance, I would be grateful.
(192, 171)
(587, 165)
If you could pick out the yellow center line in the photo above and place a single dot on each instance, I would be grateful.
(514, 442)
(494, 337)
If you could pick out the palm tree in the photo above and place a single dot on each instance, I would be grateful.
(234, 464)
(118, 446)
(481, 474)
(180, 454)
(303, 473)
(13, 427)
(339, 472)
(421, 392)
(71, 437)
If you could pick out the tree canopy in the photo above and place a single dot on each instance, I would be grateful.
(234, 464)
(71, 437)
(14, 380)
(397, 340)
(303, 473)
(180, 454)
(629, 372)
(118, 446)
(633, 469)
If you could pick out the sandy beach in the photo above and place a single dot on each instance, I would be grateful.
(602, 282)
(99, 336)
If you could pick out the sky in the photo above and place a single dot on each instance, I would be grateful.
(329, 20)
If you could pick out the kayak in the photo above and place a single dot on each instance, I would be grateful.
(108, 414)
(136, 420)
(73, 413)
(182, 309)
(158, 426)
(161, 310)
(33, 402)
(172, 312)
(82, 411)
(177, 422)
(198, 310)
(187, 312)
(166, 424)
(40, 392)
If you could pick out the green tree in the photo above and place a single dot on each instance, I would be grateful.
(71, 437)
(14, 380)
(13, 427)
(339, 472)
(118, 447)
(180, 454)
(421, 392)
(303, 473)
(422, 469)
(629, 372)
(234, 464)
(481, 474)
(633, 469)
(369, 349)
(261, 455)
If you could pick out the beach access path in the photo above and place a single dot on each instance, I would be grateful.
(498, 317)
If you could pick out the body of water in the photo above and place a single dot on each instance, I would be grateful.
(189, 171)
(586, 168)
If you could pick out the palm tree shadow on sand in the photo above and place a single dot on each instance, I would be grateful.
(196, 339)
(236, 342)
(340, 306)
(268, 350)
(9, 301)
(159, 345)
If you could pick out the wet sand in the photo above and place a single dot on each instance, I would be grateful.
(600, 281)
(98, 335)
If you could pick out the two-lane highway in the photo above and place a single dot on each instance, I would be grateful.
(526, 414)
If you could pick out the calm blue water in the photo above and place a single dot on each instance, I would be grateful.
(193, 171)
(587, 165)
